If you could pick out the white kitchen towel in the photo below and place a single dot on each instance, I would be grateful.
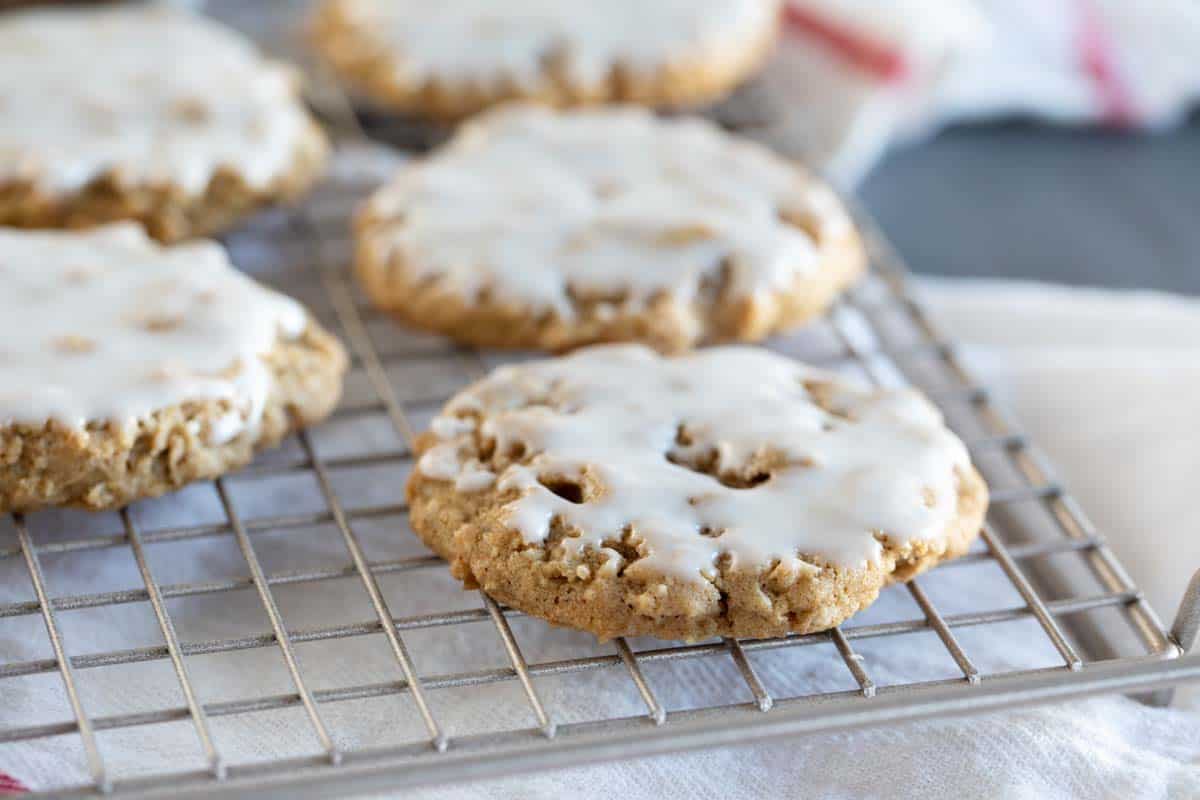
(1102, 379)
(853, 77)
(1104, 749)
(1107, 382)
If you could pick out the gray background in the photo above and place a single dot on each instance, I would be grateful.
(1026, 201)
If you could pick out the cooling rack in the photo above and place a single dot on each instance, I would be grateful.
(319, 563)
(879, 330)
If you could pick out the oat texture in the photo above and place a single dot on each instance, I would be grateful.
(105, 465)
(613, 584)
(536, 229)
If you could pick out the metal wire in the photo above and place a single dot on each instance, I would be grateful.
(386, 620)
(657, 713)
(969, 670)
(282, 638)
(762, 698)
(1084, 540)
(520, 668)
(199, 717)
(1028, 459)
(302, 635)
(82, 723)
(853, 662)
(1001, 438)
(871, 364)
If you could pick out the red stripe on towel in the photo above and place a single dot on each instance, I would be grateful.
(11, 786)
(867, 54)
(1098, 60)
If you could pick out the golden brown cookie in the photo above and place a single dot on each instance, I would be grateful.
(157, 116)
(729, 492)
(450, 60)
(129, 369)
(535, 228)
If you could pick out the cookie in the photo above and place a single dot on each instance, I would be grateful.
(128, 368)
(535, 228)
(729, 492)
(141, 112)
(452, 59)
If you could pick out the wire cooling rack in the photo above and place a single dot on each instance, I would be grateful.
(1064, 586)
(1035, 536)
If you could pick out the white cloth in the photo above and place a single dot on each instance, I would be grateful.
(1100, 378)
(1106, 382)
(1104, 749)
(853, 77)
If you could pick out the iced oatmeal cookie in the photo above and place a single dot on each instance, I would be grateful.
(535, 228)
(729, 492)
(145, 113)
(129, 368)
(448, 60)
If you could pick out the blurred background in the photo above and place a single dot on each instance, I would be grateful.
(1036, 139)
(1064, 150)
(1026, 200)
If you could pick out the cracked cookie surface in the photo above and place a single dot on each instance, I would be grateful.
(729, 492)
(534, 228)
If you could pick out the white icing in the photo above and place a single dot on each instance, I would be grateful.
(442, 462)
(154, 94)
(485, 42)
(474, 480)
(534, 206)
(446, 427)
(882, 462)
(107, 325)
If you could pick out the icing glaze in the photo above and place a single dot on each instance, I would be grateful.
(153, 94)
(876, 462)
(482, 42)
(107, 325)
(539, 207)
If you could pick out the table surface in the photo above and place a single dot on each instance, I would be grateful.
(1026, 201)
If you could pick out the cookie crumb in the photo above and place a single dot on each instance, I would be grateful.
(192, 110)
(685, 234)
(929, 496)
(72, 344)
(80, 274)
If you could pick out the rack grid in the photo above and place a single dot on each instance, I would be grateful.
(1037, 538)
